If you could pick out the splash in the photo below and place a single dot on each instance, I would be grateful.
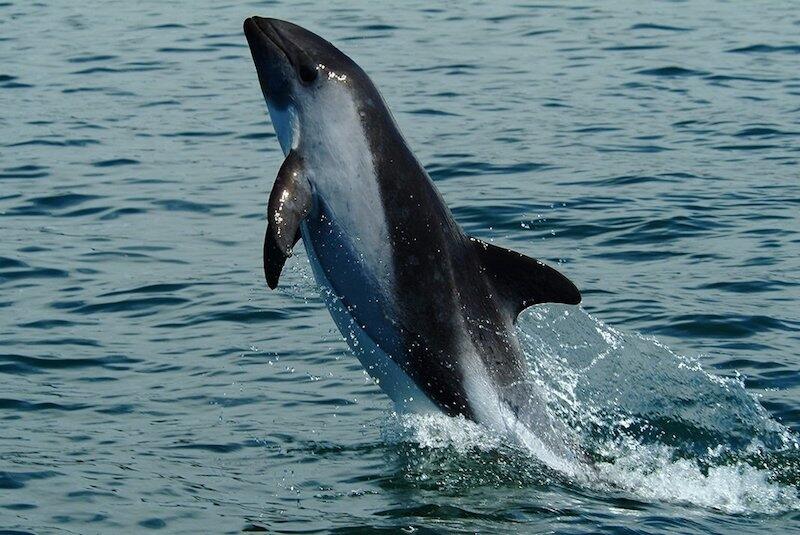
(654, 473)
(654, 424)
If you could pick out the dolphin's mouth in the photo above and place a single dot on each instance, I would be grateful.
(275, 58)
(264, 32)
(260, 31)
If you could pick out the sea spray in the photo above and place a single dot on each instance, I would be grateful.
(655, 426)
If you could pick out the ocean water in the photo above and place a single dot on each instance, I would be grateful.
(150, 381)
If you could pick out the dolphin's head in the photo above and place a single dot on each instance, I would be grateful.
(299, 72)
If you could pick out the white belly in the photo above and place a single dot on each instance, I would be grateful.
(405, 394)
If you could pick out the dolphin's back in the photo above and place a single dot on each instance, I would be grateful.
(455, 298)
(430, 259)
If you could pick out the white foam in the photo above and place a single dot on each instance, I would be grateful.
(438, 431)
(651, 473)
(607, 415)
(647, 473)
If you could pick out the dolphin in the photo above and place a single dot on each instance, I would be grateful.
(428, 310)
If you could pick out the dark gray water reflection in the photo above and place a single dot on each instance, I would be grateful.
(148, 380)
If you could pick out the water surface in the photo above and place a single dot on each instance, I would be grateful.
(149, 380)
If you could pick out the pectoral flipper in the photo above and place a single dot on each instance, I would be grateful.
(289, 204)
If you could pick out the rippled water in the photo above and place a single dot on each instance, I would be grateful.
(149, 380)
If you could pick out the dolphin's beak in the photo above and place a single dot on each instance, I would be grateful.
(262, 36)
(272, 57)
(280, 61)
(277, 36)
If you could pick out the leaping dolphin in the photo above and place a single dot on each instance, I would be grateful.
(428, 310)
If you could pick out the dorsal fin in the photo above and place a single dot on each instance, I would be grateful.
(522, 281)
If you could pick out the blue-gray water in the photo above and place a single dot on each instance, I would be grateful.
(148, 379)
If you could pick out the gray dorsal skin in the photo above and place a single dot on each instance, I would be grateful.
(429, 310)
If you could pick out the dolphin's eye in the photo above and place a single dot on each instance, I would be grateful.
(307, 73)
